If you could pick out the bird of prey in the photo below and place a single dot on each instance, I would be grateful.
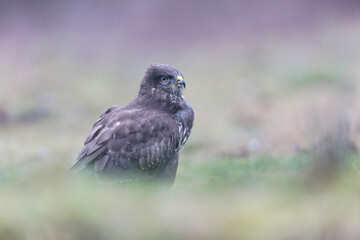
(141, 140)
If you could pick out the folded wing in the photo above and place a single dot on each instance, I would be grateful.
(126, 145)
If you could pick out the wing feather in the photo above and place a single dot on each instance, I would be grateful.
(94, 147)
(100, 164)
(104, 136)
(93, 133)
(91, 156)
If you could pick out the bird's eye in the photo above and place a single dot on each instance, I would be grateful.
(163, 79)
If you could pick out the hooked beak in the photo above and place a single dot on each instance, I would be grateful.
(179, 80)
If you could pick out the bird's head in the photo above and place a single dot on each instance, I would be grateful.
(164, 78)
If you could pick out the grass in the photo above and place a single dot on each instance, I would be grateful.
(225, 198)
(230, 173)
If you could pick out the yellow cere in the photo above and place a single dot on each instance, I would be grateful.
(179, 78)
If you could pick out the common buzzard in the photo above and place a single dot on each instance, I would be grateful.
(141, 140)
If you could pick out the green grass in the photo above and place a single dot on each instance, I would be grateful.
(258, 198)
(239, 172)
(302, 78)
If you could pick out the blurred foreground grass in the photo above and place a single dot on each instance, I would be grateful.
(259, 198)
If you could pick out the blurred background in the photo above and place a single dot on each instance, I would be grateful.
(275, 143)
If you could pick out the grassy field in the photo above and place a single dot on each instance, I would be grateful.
(273, 152)
(261, 198)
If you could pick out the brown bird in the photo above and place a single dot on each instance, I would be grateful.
(141, 140)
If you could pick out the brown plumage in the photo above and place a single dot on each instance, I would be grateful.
(141, 140)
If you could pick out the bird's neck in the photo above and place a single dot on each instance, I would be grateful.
(157, 98)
